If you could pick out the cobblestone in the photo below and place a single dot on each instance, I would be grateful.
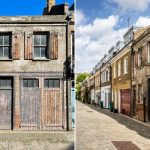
(97, 128)
(13, 140)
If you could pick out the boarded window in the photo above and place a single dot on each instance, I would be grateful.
(51, 83)
(40, 45)
(30, 83)
(54, 46)
(5, 45)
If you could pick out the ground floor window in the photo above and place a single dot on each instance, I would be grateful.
(51, 83)
(30, 83)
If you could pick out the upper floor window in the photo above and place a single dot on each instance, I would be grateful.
(148, 51)
(115, 74)
(125, 65)
(139, 57)
(119, 68)
(40, 45)
(5, 45)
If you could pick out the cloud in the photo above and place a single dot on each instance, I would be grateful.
(93, 40)
(143, 21)
(132, 5)
(79, 17)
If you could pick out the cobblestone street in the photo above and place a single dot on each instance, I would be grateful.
(99, 129)
(13, 140)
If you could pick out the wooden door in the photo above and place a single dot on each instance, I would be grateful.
(52, 105)
(125, 102)
(30, 104)
(5, 103)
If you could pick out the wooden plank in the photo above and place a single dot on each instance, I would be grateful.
(30, 108)
(5, 109)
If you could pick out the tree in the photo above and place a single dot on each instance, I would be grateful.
(81, 77)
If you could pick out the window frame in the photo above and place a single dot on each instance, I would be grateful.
(148, 52)
(47, 46)
(54, 79)
(119, 68)
(139, 57)
(22, 84)
(9, 46)
(126, 65)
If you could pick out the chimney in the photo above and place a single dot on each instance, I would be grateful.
(50, 3)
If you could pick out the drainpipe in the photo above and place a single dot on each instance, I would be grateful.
(144, 108)
(68, 18)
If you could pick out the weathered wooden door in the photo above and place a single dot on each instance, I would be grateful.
(52, 110)
(5, 104)
(30, 104)
(125, 102)
(52, 105)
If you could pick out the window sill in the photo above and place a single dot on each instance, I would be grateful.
(6, 59)
(41, 59)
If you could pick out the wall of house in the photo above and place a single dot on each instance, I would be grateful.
(140, 77)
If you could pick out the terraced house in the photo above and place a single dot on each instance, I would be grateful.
(32, 56)
(97, 84)
(141, 77)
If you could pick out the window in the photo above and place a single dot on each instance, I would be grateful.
(148, 51)
(5, 83)
(52, 83)
(40, 45)
(30, 83)
(5, 45)
(119, 68)
(140, 92)
(125, 65)
(114, 70)
(139, 57)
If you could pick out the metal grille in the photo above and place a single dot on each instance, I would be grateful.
(125, 145)
(51, 83)
(40, 45)
(30, 83)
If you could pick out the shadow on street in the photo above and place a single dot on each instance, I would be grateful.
(131, 124)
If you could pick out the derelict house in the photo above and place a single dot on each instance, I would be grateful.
(32, 56)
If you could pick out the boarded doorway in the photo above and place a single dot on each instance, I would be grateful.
(6, 104)
(30, 104)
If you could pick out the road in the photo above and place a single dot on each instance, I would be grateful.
(98, 129)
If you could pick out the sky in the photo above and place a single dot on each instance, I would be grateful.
(101, 23)
(25, 7)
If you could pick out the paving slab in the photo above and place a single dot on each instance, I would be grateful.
(97, 128)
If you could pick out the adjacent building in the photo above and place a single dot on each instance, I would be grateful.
(141, 76)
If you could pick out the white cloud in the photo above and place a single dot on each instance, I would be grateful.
(133, 5)
(143, 21)
(93, 40)
(79, 17)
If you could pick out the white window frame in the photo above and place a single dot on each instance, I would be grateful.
(126, 65)
(119, 68)
(115, 74)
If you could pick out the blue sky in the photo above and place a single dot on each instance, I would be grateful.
(101, 23)
(25, 7)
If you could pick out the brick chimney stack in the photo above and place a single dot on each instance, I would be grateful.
(50, 3)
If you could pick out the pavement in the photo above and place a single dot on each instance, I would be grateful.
(19, 140)
(100, 129)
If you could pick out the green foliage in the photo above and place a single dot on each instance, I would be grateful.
(81, 77)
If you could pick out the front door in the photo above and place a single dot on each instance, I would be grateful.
(125, 102)
(5, 104)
